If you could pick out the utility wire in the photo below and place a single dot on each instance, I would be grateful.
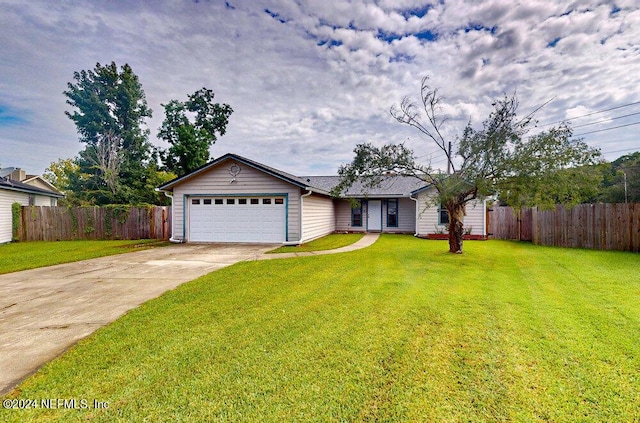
(592, 113)
(605, 120)
(606, 129)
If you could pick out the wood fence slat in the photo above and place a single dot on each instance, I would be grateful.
(595, 226)
(60, 223)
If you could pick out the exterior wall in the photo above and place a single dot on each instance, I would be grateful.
(7, 198)
(476, 218)
(41, 200)
(428, 216)
(249, 181)
(36, 182)
(406, 216)
(343, 217)
(318, 217)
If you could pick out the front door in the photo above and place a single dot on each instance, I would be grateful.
(374, 215)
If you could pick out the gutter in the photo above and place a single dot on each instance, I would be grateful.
(484, 218)
(417, 208)
(172, 239)
(308, 193)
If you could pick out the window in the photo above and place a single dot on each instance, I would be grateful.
(32, 199)
(195, 201)
(255, 201)
(443, 216)
(242, 201)
(54, 201)
(392, 213)
(266, 201)
(356, 215)
(206, 201)
(231, 200)
(219, 201)
(279, 201)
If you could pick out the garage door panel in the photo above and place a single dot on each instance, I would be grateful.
(230, 221)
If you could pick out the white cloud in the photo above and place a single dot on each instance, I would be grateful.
(309, 80)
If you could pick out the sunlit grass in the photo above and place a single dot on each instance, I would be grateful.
(329, 242)
(399, 331)
(18, 256)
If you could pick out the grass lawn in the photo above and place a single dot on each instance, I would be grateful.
(30, 255)
(329, 242)
(399, 331)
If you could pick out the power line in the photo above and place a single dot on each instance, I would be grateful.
(593, 113)
(605, 120)
(606, 129)
(605, 110)
(620, 151)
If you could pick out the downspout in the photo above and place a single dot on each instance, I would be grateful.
(416, 200)
(172, 239)
(301, 220)
(484, 218)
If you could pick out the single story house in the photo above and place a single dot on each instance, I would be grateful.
(28, 190)
(235, 199)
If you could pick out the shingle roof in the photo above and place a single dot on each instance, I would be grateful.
(390, 186)
(12, 185)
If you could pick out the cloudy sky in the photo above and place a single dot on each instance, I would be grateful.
(310, 79)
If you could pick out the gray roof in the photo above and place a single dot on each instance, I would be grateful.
(390, 186)
(11, 185)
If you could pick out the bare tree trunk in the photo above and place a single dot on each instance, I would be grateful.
(456, 227)
(108, 159)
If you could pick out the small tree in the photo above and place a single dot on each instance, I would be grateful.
(497, 159)
(191, 139)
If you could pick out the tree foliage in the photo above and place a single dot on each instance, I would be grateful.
(191, 128)
(621, 180)
(118, 161)
(497, 159)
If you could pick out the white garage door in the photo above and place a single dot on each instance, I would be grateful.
(237, 219)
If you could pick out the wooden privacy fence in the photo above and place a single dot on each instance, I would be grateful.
(93, 223)
(595, 226)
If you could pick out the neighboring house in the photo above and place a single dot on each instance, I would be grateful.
(235, 199)
(28, 190)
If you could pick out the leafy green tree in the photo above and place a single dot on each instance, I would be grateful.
(191, 138)
(621, 182)
(496, 159)
(65, 175)
(110, 109)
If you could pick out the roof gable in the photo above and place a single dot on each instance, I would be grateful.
(11, 185)
(287, 177)
(390, 186)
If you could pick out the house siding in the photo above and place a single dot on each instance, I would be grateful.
(428, 216)
(343, 217)
(406, 217)
(7, 198)
(250, 181)
(319, 217)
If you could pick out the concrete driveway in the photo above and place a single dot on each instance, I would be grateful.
(45, 311)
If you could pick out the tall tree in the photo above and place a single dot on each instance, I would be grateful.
(110, 109)
(497, 159)
(191, 139)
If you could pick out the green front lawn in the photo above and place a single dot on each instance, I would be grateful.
(329, 242)
(400, 331)
(18, 256)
